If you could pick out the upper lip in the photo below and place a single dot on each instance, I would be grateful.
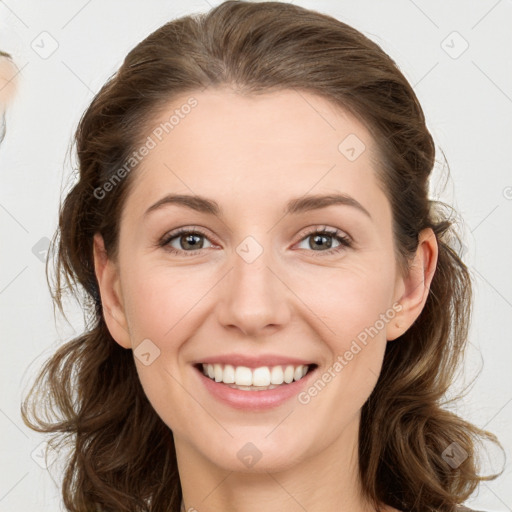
(253, 361)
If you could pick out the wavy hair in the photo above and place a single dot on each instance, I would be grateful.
(88, 395)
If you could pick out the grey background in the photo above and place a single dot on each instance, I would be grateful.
(65, 52)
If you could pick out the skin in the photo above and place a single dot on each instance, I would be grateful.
(8, 81)
(252, 154)
(8, 86)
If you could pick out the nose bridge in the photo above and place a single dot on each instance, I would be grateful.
(254, 297)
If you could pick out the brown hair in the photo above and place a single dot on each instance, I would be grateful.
(122, 454)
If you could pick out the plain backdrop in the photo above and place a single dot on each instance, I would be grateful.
(458, 57)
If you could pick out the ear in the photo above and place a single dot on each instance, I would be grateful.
(107, 275)
(412, 290)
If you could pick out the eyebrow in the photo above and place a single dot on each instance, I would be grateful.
(294, 206)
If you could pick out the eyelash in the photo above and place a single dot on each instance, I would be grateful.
(345, 241)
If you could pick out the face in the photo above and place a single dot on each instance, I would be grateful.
(254, 273)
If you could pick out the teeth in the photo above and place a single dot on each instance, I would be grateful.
(243, 376)
(228, 377)
(217, 371)
(276, 376)
(288, 374)
(261, 376)
(264, 377)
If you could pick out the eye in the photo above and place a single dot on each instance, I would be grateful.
(188, 241)
(184, 241)
(324, 238)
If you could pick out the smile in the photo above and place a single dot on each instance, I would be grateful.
(261, 378)
(255, 387)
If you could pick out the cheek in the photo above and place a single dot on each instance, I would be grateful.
(354, 313)
(162, 305)
(158, 299)
(350, 301)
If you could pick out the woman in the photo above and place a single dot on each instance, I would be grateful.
(233, 363)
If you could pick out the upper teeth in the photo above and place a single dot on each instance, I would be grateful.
(262, 376)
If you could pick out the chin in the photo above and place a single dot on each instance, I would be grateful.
(255, 454)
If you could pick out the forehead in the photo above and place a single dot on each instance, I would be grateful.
(238, 147)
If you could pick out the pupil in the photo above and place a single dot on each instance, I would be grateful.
(324, 238)
(187, 239)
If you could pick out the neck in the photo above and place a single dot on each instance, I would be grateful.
(325, 480)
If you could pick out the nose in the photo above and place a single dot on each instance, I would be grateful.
(254, 299)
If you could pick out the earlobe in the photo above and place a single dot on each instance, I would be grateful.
(415, 286)
(107, 276)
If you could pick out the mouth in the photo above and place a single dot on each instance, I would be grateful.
(262, 378)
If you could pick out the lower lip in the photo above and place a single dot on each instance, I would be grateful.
(254, 400)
